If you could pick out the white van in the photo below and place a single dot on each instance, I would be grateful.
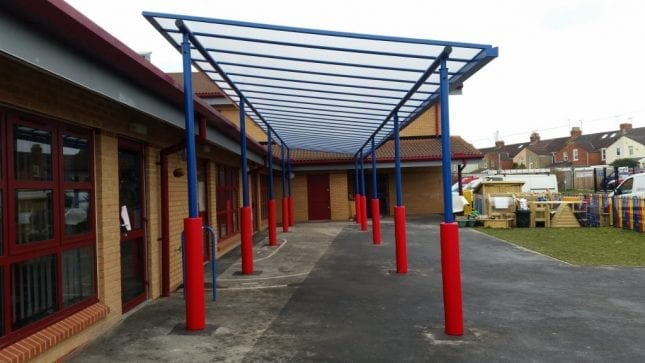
(633, 185)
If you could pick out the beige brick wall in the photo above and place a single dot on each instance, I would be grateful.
(108, 243)
(425, 125)
(212, 195)
(300, 200)
(338, 196)
(422, 192)
(178, 210)
(152, 173)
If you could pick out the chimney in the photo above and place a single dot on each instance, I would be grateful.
(625, 126)
(535, 138)
(499, 144)
(575, 132)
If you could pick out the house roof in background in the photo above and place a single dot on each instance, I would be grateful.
(418, 148)
(591, 143)
(202, 85)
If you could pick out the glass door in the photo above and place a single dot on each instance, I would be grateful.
(202, 204)
(131, 213)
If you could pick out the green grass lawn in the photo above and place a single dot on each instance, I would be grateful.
(580, 246)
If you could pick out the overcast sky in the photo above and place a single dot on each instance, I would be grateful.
(561, 63)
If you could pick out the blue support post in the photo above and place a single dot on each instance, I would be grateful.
(363, 174)
(363, 194)
(284, 168)
(357, 193)
(273, 238)
(446, 162)
(374, 192)
(245, 174)
(356, 189)
(288, 172)
(270, 162)
(292, 216)
(285, 199)
(193, 246)
(189, 110)
(397, 162)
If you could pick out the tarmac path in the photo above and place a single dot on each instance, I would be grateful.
(329, 295)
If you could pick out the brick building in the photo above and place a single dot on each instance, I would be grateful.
(93, 178)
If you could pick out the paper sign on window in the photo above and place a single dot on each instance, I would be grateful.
(125, 218)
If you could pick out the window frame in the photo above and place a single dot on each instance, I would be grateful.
(14, 185)
(12, 253)
(229, 187)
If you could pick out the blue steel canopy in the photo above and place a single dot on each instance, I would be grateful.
(322, 90)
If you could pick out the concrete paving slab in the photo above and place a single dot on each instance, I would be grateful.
(328, 294)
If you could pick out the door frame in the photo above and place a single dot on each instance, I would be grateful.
(141, 233)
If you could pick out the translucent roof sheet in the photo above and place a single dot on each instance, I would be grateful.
(322, 90)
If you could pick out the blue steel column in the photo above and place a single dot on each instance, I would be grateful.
(357, 193)
(285, 200)
(363, 174)
(194, 253)
(292, 217)
(374, 192)
(190, 129)
(270, 162)
(449, 231)
(397, 162)
(288, 163)
(284, 167)
(246, 245)
(273, 237)
(245, 174)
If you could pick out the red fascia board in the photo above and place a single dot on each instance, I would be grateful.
(59, 19)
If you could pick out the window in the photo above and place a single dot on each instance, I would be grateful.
(625, 187)
(575, 154)
(565, 156)
(603, 154)
(617, 151)
(227, 201)
(47, 236)
(630, 150)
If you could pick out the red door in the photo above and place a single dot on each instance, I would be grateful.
(318, 196)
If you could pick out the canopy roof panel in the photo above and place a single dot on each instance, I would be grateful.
(317, 89)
